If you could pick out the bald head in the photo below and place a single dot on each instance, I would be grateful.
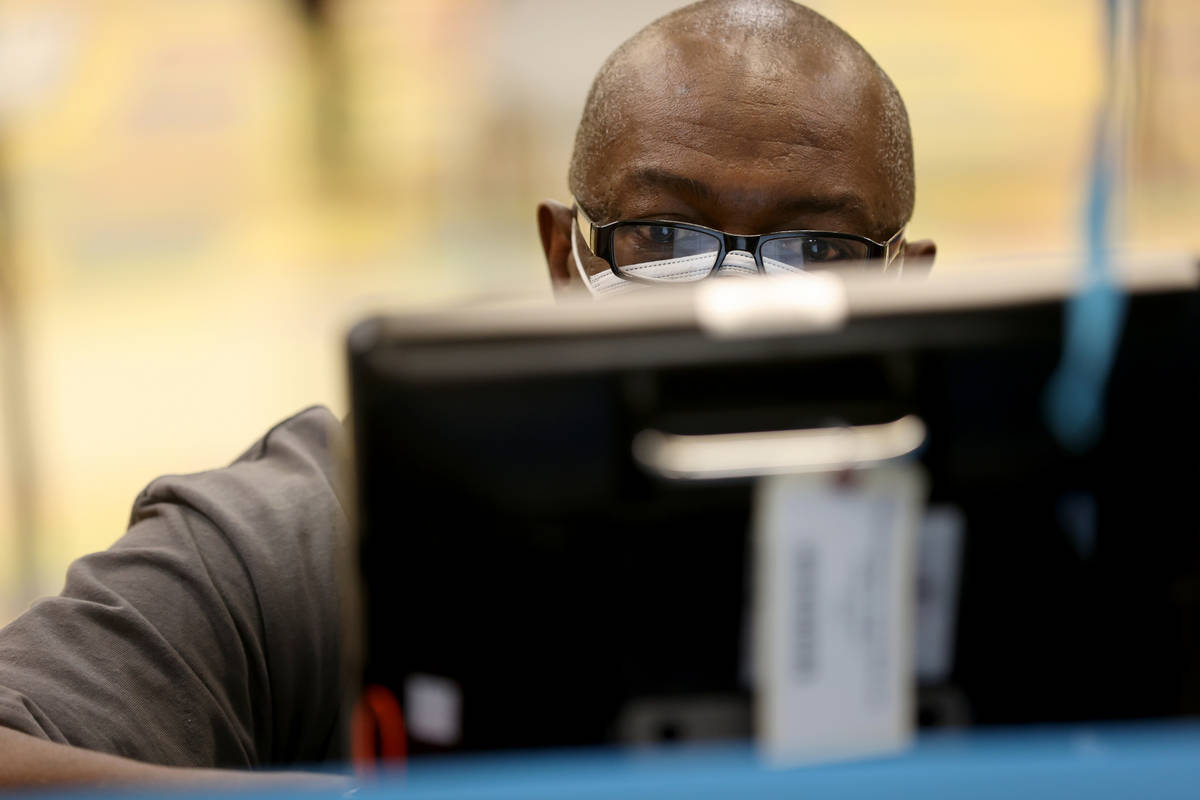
(754, 84)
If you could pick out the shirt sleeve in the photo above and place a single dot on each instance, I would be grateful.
(209, 634)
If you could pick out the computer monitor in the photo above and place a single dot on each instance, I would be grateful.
(532, 583)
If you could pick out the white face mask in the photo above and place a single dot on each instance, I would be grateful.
(676, 270)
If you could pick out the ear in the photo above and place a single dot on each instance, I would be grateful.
(554, 226)
(918, 256)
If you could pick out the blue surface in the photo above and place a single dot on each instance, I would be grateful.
(1153, 760)
(1160, 760)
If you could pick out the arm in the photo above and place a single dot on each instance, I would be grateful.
(27, 762)
(208, 636)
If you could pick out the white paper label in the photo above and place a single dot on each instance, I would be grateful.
(835, 599)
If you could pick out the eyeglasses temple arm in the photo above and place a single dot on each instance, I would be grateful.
(586, 227)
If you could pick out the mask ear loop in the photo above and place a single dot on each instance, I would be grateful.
(901, 241)
(575, 255)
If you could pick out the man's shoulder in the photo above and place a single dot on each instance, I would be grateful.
(314, 432)
(294, 478)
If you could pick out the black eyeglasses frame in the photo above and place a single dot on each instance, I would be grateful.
(599, 239)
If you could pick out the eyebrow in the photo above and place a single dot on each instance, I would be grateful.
(657, 178)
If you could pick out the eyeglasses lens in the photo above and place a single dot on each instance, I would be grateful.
(812, 252)
(667, 253)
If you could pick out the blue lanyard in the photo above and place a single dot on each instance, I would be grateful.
(1095, 315)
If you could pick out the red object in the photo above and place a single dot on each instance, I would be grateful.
(378, 736)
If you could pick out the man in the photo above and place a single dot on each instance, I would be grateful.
(750, 118)
(208, 636)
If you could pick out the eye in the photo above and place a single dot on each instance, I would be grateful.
(660, 234)
(819, 250)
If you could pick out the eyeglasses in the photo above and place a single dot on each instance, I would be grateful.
(666, 251)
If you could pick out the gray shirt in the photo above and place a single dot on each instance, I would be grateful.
(208, 635)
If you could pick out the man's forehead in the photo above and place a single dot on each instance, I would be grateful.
(762, 125)
(751, 123)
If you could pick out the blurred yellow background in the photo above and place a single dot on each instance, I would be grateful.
(203, 195)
